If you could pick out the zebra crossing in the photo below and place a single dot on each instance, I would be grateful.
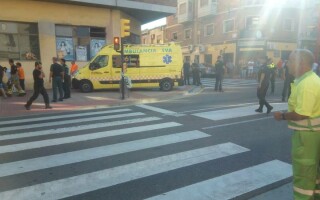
(210, 82)
(92, 151)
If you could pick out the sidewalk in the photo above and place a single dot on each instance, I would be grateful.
(14, 106)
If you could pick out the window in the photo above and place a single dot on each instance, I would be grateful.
(204, 3)
(79, 43)
(252, 22)
(159, 40)
(288, 25)
(19, 41)
(131, 60)
(175, 36)
(183, 8)
(99, 62)
(187, 34)
(228, 25)
(209, 30)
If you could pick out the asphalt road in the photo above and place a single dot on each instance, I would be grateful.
(207, 146)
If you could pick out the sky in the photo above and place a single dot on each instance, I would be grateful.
(154, 24)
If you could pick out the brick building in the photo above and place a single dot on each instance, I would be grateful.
(237, 29)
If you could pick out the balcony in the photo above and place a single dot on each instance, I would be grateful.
(312, 35)
(208, 9)
(185, 11)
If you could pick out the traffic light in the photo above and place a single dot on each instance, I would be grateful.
(125, 27)
(116, 43)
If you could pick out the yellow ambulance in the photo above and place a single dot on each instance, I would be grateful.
(148, 66)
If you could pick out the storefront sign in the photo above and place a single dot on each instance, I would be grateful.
(251, 43)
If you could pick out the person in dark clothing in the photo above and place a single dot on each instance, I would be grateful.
(264, 79)
(272, 76)
(38, 87)
(67, 79)
(219, 68)
(186, 72)
(2, 92)
(196, 74)
(288, 79)
(57, 77)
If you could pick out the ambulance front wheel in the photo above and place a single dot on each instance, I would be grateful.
(166, 85)
(86, 86)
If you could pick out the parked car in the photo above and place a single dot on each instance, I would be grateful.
(207, 71)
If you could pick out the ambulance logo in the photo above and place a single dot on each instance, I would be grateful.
(167, 59)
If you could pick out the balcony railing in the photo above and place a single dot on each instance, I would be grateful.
(210, 9)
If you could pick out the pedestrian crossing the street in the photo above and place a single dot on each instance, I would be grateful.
(75, 155)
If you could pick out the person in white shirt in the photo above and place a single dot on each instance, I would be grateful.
(250, 68)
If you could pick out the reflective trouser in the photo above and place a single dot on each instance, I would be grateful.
(305, 163)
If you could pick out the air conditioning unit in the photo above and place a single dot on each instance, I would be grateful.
(190, 47)
(202, 48)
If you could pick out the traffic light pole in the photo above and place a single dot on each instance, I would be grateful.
(122, 70)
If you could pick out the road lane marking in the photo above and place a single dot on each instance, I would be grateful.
(236, 123)
(84, 137)
(80, 184)
(59, 116)
(44, 162)
(236, 112)
(76, 128)
(232, 185)
(160, 110)
(71, 121)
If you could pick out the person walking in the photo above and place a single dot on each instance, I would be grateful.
(38, 87)
(21, 75)
(56, 77)
(303, 118)
(186, 72)
(2, 92)
(67, 79)
(219, 69)
(264, 79)
(288, 79)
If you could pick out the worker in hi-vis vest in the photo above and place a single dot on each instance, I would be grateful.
(303, 117)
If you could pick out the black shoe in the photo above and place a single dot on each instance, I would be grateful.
(269, 109)
(61, 99)
(48, 107)
(27, 107)
(259, 110)
(54, 101)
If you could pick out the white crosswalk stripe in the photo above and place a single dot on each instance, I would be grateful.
(58, 142)
(210, 82)
(237, 112)
(260, 175)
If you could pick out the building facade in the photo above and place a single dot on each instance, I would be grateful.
(237, 29)
(33, 30)
(154, 36)
(309, 34)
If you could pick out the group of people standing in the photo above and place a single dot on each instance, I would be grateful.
(194, 69)
(15, 80)
(59, 77)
